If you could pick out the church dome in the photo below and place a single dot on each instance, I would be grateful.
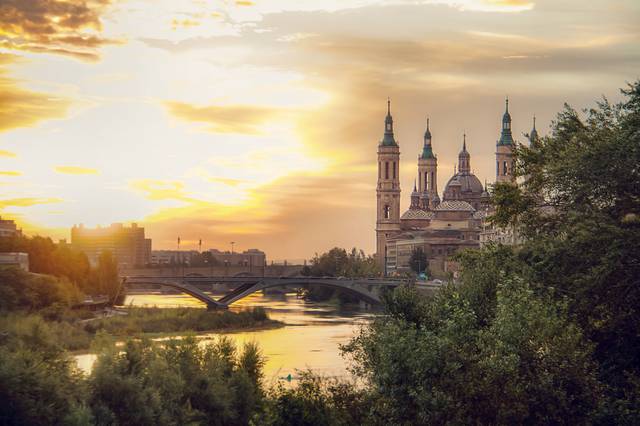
(468, 183)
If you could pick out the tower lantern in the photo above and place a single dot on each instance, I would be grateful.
(428, 172)
(504, 149)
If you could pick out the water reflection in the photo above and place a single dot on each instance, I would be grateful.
(310, 338)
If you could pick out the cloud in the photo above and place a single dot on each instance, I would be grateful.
(75, 170)
(157, 190)
(20, 107)
(4, 153)
(243, 119)
(10, 173)
(68, 27)
(27, 202)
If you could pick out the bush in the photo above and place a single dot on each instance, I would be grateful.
(24, 290)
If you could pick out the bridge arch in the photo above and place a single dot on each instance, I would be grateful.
(185, 288)
(348, 286)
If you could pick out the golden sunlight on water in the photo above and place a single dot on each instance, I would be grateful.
(309, 340)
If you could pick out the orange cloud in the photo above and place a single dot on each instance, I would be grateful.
(4, 153)
(156, 189)
(75, 170)
(54, 26)
(9, 173)
(23, 108)
(27, 202)
(244, 119)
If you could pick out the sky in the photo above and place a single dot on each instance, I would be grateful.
(257, 121)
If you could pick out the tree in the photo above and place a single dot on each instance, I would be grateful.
(418, 261)
(579, 210)
(430, 361)
(105, 277)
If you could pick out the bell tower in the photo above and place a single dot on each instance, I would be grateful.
(504, 149)
(388, 189)
(428, 172)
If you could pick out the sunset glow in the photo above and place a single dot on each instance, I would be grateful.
(258, 121)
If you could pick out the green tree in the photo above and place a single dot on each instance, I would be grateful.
(418, 261)
(27, 291)
(430, 361)
(105, 277)
(579, 210)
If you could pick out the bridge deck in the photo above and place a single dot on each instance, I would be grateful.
(368, 289)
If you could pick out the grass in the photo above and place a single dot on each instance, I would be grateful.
(69, 333)
(172, 320)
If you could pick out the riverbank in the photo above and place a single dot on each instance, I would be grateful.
(77, 335)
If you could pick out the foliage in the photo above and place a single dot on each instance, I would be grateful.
(337, 262)
(316, 401)
(177, 382)
(165, 320)
(104, 278)
(418, 261)
(66, 263)
(46, 257)
(24, 290)
(39, 383)
(579, 209)
(430, 361)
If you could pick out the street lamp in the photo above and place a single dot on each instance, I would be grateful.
(232, 243)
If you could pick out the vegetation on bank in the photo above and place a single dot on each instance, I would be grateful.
(38, 303)
(178, 320)
(63, 262)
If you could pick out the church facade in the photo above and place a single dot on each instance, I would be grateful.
(440, 226)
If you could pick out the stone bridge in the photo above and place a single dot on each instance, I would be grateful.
(367, 289)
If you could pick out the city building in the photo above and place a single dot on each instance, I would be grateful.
(251, 257)
(172, 257)
(14, 259)
(127, 244)
(440, 227)
(8, 228)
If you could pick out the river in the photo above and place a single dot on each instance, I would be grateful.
(310, 338)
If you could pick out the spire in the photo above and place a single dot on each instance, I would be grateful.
(464, 159)
(505, 137)
(533, 136)
(415, 197)
(427, 134)
(427, 149)
(388, 139)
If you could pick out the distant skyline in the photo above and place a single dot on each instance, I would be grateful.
(258, 121)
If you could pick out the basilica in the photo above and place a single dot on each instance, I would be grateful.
(440, 226)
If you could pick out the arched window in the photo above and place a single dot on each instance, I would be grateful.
(497, 168)
(504, 168)
(387, 212)
(379, 169)
(386, 170)
(432, 181)
(394, 169)
(426, 181)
